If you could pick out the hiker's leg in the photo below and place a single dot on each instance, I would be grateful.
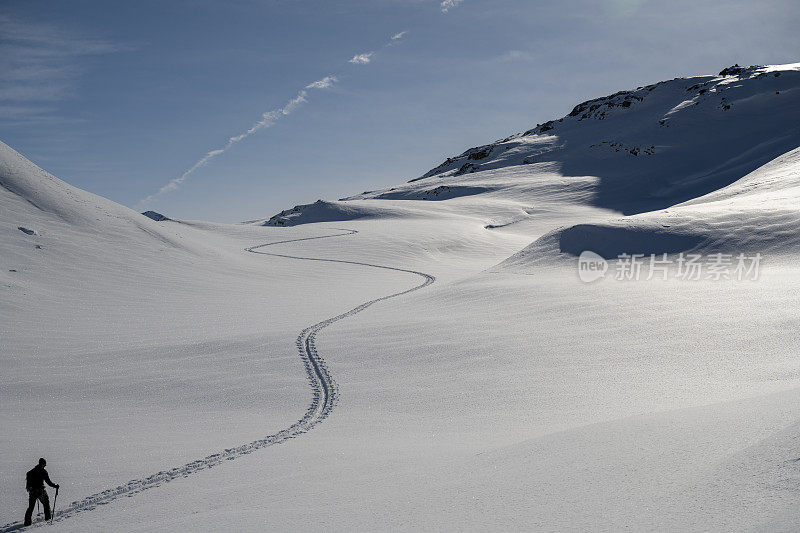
(32, 497)
(45, 503)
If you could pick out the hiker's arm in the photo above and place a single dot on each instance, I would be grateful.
(47, 479)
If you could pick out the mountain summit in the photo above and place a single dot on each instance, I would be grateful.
(656, 145)
(648, 148)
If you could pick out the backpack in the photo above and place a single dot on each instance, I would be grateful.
(29, 480)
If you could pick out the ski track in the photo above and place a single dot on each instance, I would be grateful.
(322, 384)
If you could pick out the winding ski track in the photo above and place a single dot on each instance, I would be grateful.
(322, 384)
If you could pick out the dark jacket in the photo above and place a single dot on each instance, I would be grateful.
(36, 479)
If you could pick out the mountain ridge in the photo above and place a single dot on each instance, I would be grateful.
(648, 148)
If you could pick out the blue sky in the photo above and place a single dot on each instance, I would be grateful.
(122, 98)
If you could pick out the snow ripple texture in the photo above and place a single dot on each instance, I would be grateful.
(324, 389)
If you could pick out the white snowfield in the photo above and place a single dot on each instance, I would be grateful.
(426, 357)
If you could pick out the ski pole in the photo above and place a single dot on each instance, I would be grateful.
(55, 499)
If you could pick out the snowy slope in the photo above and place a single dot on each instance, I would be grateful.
(756, 214)
(487, 400)
(130, 346)
(647, 148)
(643, 152)
(322, 211)
(653, 146)
(22, 181)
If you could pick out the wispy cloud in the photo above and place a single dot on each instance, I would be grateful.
(447, 5)
(396, 39)
(362, 59)
(324, 83)
(41, 63)
(267, 120)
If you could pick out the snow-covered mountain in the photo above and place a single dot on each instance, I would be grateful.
(426, 356)
(29, 196)
(647, 148)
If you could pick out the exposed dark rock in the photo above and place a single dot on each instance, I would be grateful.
(482, 153)
(547, 126)
(466, 168)
(541, 128)
(279, 219)
(441, 189)
(732, 70)
(158, 217)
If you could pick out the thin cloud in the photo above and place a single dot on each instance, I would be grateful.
(42, 63)
(362, 59)
(447, 5)
(267, 120)
(18, 112)
(398, 36)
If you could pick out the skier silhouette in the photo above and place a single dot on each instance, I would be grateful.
(35, 480)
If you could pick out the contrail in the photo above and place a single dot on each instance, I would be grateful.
(267, 120)
(362, 59)
(447, 5)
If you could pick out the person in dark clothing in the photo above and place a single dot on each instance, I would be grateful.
(35, 480)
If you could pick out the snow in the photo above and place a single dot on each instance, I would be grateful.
(503, 395)
(321, 211)
(654, 146)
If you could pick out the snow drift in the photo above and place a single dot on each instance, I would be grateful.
(322, 211)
